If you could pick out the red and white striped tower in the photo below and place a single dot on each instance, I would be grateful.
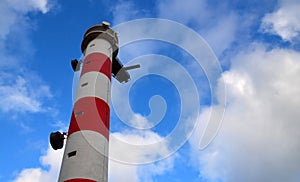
(86, 154)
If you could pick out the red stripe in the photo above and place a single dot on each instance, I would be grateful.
(92, 114)
(97, 62)
(80, 180)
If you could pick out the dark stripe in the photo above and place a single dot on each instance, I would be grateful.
(97, 62)
(94, 116)
(80, 180)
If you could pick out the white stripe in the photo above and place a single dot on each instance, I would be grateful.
(94, 84)
(99, 45)
(91, 159)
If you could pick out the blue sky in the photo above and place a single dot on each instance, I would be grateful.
(256, 44)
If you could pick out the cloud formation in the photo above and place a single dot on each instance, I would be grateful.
(25, 6)
(258, 140)
(122, 168)
(285, 21)
(218, 29)
(126, 167)
(50, 162)
(22, 91)
(13, 11)
(25, 94)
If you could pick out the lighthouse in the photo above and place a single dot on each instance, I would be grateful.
(85, 157)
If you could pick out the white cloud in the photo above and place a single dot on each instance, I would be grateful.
(124, 11)
(128, 172)
(25, 6)
(194, 10)
(128, 165)
(13, 13)
(222, 34)
(7, 19)
(258, 140)
(23, 94)
(285, 21)
(148, 172)
(140, 151)
(218, 29)
(49, 171)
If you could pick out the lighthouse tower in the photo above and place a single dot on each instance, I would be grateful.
(85, 157)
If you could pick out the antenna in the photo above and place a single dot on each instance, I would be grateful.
(119, 72)
(132, 67)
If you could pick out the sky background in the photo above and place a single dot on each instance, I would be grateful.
(258, 47)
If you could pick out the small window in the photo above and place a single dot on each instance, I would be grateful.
(79, 113)
(84, 84)
(71, 154)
